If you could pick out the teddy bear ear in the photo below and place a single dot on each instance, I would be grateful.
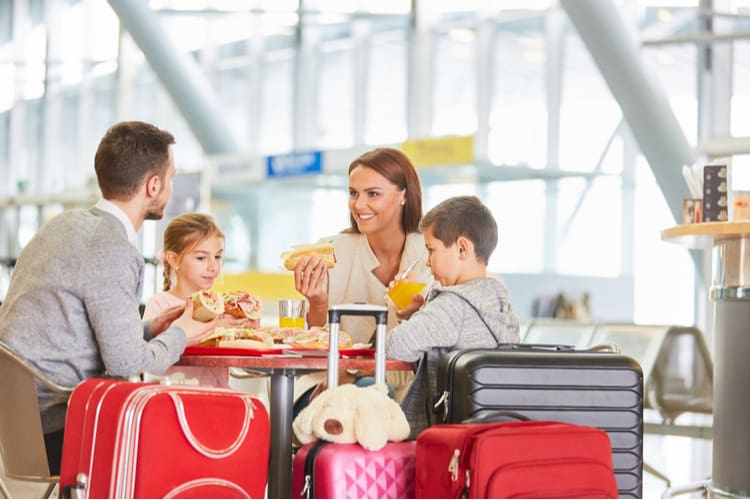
(371, 429)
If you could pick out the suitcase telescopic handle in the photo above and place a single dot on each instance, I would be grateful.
(380, 313)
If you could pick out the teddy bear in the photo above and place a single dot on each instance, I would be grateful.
(352, 414)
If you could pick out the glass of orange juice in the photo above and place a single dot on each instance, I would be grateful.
(402, 292)
(292, 313)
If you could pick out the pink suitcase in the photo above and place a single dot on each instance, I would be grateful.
(137, 440)
(329, 470)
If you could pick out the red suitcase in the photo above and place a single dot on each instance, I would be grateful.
(136, 440)
(332, 470)
(530, 459)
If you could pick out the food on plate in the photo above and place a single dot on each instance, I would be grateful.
(241, 304)
(324, 251)
(279, 334)
(238, 337)
(317, 338)
(207, 305)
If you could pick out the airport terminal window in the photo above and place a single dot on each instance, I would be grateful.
(336, 94)
(519, 208)
(589, 226)
(5, 188)
(518, 120)
(740, 125)
(588, 114)
(69, 152)
(30, 164)
(276, 103)
(664, 276)
(455, 106)
(386, 88)
(232, 91)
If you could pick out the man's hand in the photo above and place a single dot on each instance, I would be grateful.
(161, 321)
(195, 331)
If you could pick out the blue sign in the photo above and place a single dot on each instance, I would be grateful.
(293, 164)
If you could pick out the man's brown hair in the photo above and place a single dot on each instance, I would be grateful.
(129, 153)
(463, 216)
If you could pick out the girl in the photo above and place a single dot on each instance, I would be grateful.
(193, 256)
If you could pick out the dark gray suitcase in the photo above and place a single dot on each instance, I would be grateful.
(601, 389)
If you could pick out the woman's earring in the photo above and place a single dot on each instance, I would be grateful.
(403, 202)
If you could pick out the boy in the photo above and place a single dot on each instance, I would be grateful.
(468, 309)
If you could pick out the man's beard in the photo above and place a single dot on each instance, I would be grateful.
(155, 210)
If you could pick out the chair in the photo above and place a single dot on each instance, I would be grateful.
(560, 331)
(21, 437)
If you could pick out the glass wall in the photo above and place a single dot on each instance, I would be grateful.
(555, 159)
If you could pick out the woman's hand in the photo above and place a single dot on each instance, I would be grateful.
(309, 280)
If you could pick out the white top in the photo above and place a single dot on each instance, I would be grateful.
(352, 280)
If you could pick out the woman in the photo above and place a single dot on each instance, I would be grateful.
(385, 207)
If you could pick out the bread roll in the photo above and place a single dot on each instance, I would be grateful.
(324, 251)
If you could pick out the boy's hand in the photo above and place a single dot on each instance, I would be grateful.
(405, 313)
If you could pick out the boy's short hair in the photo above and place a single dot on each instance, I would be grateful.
(463, 216)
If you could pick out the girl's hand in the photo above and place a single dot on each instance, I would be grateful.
(309, 280)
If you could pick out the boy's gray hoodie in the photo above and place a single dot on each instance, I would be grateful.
(447, 322)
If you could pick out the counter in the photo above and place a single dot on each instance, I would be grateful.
(730, 294)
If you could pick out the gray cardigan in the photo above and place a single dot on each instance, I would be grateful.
(447, 322)
(72, 307)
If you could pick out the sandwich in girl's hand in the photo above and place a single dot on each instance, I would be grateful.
(242, 304)
(207, 305)
(323, 251)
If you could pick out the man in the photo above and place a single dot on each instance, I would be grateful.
(72, 304)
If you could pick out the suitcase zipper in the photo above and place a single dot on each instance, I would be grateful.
(308, 490)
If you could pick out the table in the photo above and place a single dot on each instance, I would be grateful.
(730, 293)
(282, 371)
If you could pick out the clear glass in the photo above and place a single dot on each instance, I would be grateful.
(336, 94)
(386, 88)
(455, 102)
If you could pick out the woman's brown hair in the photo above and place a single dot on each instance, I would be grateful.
(398, 169)
(183, 233)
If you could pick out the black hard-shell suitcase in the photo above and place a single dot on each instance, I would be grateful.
(600, 389)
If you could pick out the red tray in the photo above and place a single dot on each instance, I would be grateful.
(357, 352)
(227, 351)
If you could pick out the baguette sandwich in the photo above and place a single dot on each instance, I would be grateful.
(238, 337)
(207, 305)
(324, 251)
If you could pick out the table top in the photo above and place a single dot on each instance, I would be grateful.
(290, 362)
(704, 234)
